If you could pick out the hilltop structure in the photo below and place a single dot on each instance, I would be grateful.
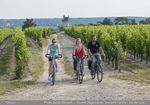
(65, 21)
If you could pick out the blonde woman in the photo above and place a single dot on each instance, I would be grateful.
(78, 52)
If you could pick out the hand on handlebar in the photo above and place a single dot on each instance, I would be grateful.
(59, 55)
(85, 56)
(48, 55)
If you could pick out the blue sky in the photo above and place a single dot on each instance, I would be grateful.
(74, 8)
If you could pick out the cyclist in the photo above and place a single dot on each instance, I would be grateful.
(54, 50)
(93, 49)
(78, 52)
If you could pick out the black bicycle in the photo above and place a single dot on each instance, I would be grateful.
(79, 68)
(53, 65)
(97, 70)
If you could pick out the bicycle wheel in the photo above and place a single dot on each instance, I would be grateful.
(99, 73)
(53, 76)
(80, 76)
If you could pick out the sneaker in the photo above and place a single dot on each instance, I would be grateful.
(50, 78)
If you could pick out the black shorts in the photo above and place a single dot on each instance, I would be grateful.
(50, 59)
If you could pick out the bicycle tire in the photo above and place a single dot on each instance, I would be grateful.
(53, 76)
(99, 74)
(80, 78)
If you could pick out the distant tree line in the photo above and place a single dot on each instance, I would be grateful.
(146, 21)
(106, 21)
(121, 21)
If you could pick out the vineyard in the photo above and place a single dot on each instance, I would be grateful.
(25, 50)
(117, 41)
(19, 41)
(5, 33)
(38, 33)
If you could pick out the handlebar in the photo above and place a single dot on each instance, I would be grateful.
(86, 56)
(48, 55)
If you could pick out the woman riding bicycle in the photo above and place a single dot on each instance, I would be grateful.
(54, 50)
(78, 52)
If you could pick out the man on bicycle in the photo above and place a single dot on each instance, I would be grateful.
(93, 50)
(54, 50)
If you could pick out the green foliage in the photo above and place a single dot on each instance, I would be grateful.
(21, 51)
(107, 21)
(5, 33)
(116, 40)
(37, 33)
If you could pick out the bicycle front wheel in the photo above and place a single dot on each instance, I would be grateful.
(99, 73)
(53, 76)
(80, 77)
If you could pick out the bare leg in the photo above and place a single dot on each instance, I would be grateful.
(56, 63)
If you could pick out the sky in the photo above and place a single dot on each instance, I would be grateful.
(18, 9)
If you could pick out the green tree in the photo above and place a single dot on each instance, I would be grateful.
(132, 21)
(121, 20)
(28, 23)
(107, 21)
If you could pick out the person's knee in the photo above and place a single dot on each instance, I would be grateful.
(56, 63)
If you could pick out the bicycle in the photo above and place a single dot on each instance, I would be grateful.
(53, 65)
(97, 70)
(79, 69)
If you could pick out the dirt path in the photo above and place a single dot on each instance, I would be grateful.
(66, 88)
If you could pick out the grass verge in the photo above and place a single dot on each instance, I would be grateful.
(135, 73)
(68, 68)
(142, 76)
(7, 64)
(35, 62)
(10, 86)
(45, 42)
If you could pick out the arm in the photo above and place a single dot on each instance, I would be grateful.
(88, 47)
(102, 51)
(48, 51)
(74, 50)
(84, 50)
(85, 53)
(58, 49)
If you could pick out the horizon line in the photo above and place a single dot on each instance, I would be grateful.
(70, 17)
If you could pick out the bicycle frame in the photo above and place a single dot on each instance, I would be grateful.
(97, 69)
(79, 65)
(97, 63)
(79, 68)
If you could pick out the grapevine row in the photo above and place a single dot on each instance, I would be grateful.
(21, 51)
(117, 40)
(37, 33)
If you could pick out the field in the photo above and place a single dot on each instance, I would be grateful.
(24, 67)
